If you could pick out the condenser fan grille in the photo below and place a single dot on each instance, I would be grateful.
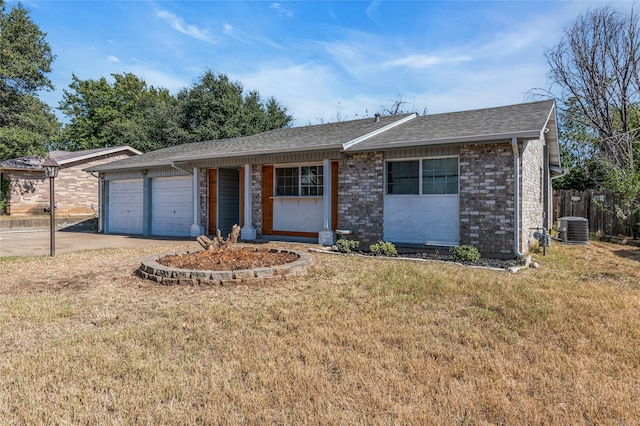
(573, 230)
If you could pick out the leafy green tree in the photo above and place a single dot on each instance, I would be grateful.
(277, 116)
(214, 107)
(125, 112)
(27, 125)
(577, 151)
(211, 108)
(31, 128)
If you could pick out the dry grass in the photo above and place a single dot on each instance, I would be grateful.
(357, 341)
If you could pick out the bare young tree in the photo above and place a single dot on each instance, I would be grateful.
(395, 108)
(596, 68)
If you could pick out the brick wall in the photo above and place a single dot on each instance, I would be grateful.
(360, 196)
(203, 183)
(28, 194)
(486, 198)
(531, 192)
(256, 198)
(76, 191)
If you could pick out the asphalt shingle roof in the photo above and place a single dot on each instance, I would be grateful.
(34, 162)
(457, 127)
(317, 137)
(522, 120)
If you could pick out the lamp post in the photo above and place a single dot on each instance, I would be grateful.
(51, 168)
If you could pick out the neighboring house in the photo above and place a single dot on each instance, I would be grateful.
(76, 191)
(436, 180)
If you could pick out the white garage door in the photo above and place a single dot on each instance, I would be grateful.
(125, 206)
(171, 206)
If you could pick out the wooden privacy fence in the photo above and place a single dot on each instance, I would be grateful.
(568, 202)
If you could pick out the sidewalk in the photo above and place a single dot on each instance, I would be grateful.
(36, 243)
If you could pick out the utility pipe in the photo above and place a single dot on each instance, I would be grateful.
(516, 198)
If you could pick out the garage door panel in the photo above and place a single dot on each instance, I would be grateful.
(172, 206)
(125, 207)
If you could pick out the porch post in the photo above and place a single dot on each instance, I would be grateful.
(247, 232)
(196, 228)
(326, 237)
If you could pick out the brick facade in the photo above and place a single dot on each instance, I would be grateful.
(203, 183)
(486, 198)
(532, 190)
(256, 198)
(361, 196)
(76, 191)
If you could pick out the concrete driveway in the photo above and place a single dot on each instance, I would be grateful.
(36, 243)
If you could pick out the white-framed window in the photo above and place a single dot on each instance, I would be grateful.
(403, 177)
(299, 181)
(440, 175)
(428, 176)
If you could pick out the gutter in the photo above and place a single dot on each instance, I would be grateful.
(516, 198)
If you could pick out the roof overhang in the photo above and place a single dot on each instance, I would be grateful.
(106, 151)
(459, 140)
(550, 135)
(22, 169)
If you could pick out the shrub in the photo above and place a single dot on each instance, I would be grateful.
(467, 254)
(383, 248)
(345, 246)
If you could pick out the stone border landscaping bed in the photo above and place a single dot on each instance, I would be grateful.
(152, 270)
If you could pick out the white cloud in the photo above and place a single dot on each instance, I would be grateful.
(178, 24)
(426, 61)
(112, 58)
(153, 77)
(305, 89)
(281, 10)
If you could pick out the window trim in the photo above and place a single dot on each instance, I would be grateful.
(420, 186)
(299, 166)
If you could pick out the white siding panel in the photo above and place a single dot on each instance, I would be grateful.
(297, 214)
(125, 207)
(422, 219)
(172, 206)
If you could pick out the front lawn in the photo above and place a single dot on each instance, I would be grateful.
(356, 341)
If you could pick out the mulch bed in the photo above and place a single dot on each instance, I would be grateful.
(231, 260)
(445, 256)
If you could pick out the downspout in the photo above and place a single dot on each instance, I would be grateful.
(100, 201)
(564, 171)
(173, 164)
(516, 198)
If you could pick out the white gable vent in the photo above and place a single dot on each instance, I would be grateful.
(573, 230)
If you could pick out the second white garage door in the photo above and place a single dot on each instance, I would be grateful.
(171, 206)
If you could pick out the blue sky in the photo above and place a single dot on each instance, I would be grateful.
(323, 60)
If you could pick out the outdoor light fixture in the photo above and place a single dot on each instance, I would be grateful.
(51, 169)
